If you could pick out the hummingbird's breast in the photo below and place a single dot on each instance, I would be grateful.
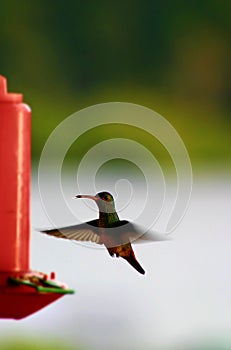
(108, 233)
(107, 239)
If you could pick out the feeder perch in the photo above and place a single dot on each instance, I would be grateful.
(22, 291)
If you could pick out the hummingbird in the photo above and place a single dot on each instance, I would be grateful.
(115, 234)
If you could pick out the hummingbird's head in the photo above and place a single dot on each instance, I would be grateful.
(104, 201)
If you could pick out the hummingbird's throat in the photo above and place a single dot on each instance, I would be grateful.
(107, 219)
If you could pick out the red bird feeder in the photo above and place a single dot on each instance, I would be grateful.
(22, 291)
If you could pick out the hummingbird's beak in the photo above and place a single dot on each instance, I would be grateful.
(94, 198)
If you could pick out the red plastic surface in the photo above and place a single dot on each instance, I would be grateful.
(16, 301)
(25, 303)
(15, 163)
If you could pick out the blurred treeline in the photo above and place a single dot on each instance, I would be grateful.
(35, 343)
(171, 56)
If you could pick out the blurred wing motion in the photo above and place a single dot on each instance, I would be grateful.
(121, 233)
(88, 231)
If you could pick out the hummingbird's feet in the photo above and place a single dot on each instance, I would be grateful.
(113, 253)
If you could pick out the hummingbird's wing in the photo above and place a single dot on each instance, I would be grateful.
(124, 231)
(121, 232)
(88, 231)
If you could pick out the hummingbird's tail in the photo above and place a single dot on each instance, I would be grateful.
(126, 252)
(132, 261)
(129, 255)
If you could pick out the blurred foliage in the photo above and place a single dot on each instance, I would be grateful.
(35, 344)
(171, 56)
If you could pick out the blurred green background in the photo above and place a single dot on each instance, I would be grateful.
(171, 56)
(34, 343)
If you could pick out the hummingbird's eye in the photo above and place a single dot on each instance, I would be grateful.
(107, 198)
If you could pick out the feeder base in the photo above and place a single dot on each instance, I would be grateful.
(22, 294)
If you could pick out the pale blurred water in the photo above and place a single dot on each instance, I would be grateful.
(185, 295)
